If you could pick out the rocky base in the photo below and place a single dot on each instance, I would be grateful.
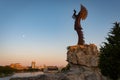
(83, 61)
(83, 65)
(85, 55)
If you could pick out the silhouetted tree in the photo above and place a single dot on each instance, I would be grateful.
(110, 54)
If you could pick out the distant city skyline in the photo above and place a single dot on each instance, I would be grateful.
(41, 30)
(33, 64)
(44, 68)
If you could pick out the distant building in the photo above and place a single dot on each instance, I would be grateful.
(33, 65)
(40, 67)
(52, 68)
(17, 66)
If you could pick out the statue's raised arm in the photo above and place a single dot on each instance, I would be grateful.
(77, 26)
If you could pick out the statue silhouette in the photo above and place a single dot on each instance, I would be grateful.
(77, 26)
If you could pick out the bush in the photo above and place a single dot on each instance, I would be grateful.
(67, 68)
(6, 70)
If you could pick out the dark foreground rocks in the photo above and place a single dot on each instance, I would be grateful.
(50, 76)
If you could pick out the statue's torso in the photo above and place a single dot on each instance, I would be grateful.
(77, 25)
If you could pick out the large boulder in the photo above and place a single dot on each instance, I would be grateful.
(86, 55)
(83, 61)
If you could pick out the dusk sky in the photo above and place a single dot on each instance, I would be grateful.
(41, 30)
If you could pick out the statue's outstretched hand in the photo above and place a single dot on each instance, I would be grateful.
(74, 11)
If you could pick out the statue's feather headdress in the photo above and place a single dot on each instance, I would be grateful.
(83, 13)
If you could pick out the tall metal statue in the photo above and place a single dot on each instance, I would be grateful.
(77, 26)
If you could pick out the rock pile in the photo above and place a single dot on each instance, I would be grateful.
(83, 61)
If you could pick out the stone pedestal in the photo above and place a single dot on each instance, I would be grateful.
(83, 61)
